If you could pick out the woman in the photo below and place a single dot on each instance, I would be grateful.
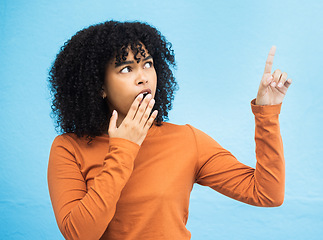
(119, 171)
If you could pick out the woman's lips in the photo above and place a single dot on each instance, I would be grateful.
(145, 91)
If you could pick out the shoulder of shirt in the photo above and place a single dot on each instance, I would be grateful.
(66, 137)
(187, 130)
(167, 127)
(70, 139)
(172, 126)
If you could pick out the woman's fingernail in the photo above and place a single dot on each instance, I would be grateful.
(280, 84)
(273, 84)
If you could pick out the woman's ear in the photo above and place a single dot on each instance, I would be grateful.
(104, 95)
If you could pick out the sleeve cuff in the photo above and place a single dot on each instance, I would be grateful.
(126, 150)
(123, 143)
(265, 109)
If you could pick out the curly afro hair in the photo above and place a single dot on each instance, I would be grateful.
(77, 75)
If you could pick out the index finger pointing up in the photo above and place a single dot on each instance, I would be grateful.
(270, 59)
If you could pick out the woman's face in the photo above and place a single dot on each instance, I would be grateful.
(124, 81)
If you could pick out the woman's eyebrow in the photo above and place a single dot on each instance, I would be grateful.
(118, 64)
(149, 57)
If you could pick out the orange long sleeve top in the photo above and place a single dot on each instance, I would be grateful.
(114, 189)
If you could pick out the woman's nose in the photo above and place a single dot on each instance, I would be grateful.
(141, 77)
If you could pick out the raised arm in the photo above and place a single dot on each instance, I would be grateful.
(265, 184)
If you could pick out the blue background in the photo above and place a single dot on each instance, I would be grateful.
(221, 48)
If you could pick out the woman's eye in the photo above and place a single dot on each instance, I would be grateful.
(125, 70)
(148, 65)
